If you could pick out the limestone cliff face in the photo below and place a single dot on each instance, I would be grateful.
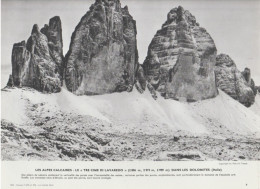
(181, 59)
(53, 31)
(232, 81)
(103, 54)
(34, 63)
(20, 64)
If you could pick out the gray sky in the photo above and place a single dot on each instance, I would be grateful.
(234, 25)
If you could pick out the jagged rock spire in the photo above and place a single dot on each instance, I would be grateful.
(38, 62)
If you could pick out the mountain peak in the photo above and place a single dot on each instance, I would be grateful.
(179, 14)
(35, 29)
(180, 59)
(108, 63)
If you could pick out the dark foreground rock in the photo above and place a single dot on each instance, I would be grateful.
(232, 81)
(181, 59)
(140, 83)
(247, 75)
(257, 89)
(103, 55)
(38, 63)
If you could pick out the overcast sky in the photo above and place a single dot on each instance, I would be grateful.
(234, 25)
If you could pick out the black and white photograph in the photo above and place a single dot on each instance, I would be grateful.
(130, 80)
(104, 93)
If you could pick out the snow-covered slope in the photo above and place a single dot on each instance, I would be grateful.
(256, 106)
(134, 111)
(125, 126)
(229, 113)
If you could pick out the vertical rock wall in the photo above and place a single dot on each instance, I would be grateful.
(103, 54)
(181, 59)
(38, 63)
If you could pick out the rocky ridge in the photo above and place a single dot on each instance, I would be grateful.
(238, 85)
(103, 58)
(38, 63)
